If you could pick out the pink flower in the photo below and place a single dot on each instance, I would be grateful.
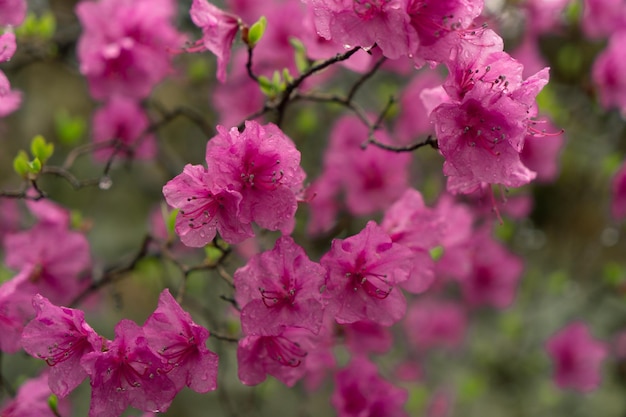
(365, 23)
(263, 165)
(127, 373)
(361, 391)
(362, 271)
(609, 73)
(218, 32)
(280, 288)
(12, 12)
(125, 48)
(56, 255)
(371, 178)
(411, 224)
(10, 100)
(61, 337)
(413, 119)
(206, 207)
(482, 134)
(439, 25)
(281, 356)
(123, 123)
(181, 344)
(15, 309)
(602, 18)
(363, 337)
(32, 400)
(618, 205)
(541, 153)
(577, 357)
(435, 324)
(494, 274)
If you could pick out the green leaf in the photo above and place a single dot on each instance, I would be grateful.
(53, 403)
(170, 220)
(302, 62)
(47, 25)
(213, 254)
(35, 166)
(256, 31)
(40, 149)
(69, 129)
(436, 253)
(266, 86)
(21, 164)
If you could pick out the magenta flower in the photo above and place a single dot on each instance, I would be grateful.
(541, 153)
(10, 100)
(125, 48)
(61, 337)
(15, 309)
(218, 32)
(577, 357)
(127, 373)
(494, 274)
(439, 25)
(602, 18)
(362, 271)
(365, 23)
(435, 324)
(371, 178)
(361, 391)
(56, 255)
(281, 356)
(278, 289)
(32, 400)
(363, 337)
(618, 205)
(123, 123)
(12, 12)
(413, 119)
(411, 224)
(181, 344)
(609, 73)
(262, 164)
(206, 207)
(481, 135)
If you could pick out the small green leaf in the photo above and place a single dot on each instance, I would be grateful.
(266, 86)
(213, 254)
(286, 76)
(47, 25)
(53, 403)
(436, 253)
(35, 166)
(21, 164)
(40, 149)
(302, 62)
(170, 220)
(256, 31)
(69, 129)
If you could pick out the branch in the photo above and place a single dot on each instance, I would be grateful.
(430, 141)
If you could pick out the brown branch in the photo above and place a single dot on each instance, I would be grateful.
(430, 141)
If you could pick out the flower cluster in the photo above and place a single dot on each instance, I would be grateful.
(143, 367)
(251, 176)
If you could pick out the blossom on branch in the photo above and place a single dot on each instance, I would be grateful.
(218, 32)
(180, 342)
(362, 273)
(61, 337)
(278, 289)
